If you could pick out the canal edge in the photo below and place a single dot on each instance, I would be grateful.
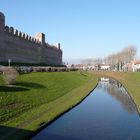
(61, 114)
(137, 108)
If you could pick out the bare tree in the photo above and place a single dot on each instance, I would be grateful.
(130, 53)
(116, 60)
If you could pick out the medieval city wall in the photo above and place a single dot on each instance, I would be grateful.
(20, 47)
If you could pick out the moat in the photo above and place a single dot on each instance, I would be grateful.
(108, 113)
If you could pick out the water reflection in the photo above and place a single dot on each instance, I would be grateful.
(106, 114)
(117, 91)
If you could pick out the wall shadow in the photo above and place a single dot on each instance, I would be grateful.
(11, 133)
(21, 86)
(30, 85)
(12, 89)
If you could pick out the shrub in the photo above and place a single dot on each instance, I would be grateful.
(9, 75)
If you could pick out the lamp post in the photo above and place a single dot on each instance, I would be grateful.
(9, 61)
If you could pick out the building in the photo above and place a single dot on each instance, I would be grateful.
(135, 65)
(20, 47)
(132, 66)
(105, 67)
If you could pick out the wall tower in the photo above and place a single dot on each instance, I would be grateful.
(40, 37)
(2, 21)
(58, 46)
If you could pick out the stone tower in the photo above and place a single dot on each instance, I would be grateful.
(2, 21)
(58, 46)
(40, 37)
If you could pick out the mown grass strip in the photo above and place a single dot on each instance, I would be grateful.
(35, 89)
(31, 120)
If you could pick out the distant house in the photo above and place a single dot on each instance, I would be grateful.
(105, 67)
(132, 66)
(91, 67)
(68, 65)
(135, 65)
(79, 66)
(84, 67)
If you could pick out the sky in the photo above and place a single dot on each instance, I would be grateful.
(85, 28)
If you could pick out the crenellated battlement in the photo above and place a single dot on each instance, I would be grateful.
(21, 47)
(36, 40)
(16, 33)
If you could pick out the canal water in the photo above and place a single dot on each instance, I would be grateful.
(108, 113)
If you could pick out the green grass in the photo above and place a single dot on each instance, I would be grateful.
(38, 98)
(130, 80)
(132, 84)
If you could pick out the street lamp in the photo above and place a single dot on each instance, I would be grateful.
(9, 61)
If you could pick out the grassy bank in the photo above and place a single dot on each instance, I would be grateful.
(38, 98)
(130, 80)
